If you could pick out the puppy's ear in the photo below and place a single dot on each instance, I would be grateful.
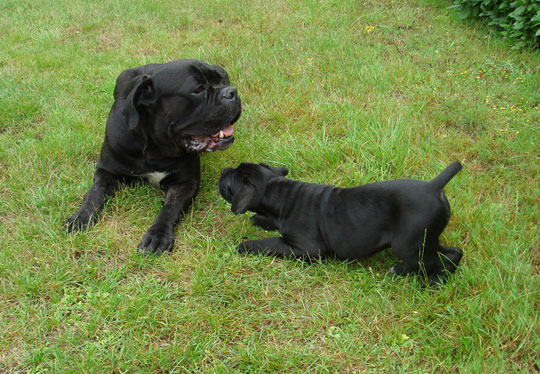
(279, 169)
(142, 94)
(245, 198)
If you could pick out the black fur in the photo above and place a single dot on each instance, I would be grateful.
(162, 117)
(318, 221)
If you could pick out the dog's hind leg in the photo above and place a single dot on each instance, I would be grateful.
(448, 260)
(418, 251)
(410, 249)
(105, 185)
(277, 247)
(434, 265)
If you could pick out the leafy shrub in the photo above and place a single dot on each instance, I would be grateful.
(516, 20)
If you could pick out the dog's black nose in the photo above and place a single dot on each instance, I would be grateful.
(229, 93)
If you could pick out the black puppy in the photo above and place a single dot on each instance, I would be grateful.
(162, 117)
(318, 221)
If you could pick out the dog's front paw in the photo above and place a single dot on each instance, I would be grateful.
(245, 247)
(155, 242)
(80, 221)
(242, 248)
(403, 269)
(263, 222)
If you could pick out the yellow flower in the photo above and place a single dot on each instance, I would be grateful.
(368, 29)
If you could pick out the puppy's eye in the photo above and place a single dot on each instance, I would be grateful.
(199, 89)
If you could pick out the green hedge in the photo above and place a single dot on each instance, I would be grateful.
(516, 20)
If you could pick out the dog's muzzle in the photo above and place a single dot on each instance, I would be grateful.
(219, 141)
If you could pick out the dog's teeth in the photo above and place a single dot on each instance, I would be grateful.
(221, 135)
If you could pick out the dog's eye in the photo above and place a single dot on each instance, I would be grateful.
(199, 89)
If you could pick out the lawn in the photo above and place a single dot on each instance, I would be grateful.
(341, 92)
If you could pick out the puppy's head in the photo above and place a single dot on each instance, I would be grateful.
(184, 105)
(244, 186)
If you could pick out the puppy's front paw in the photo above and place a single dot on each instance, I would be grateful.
(403, 269)
(155, 242)
(244, 247)
(80, 221)
(263, 222)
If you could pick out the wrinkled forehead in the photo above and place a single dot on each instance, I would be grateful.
(246, 167)
(249, 170)
(186, 74)
(212, 73)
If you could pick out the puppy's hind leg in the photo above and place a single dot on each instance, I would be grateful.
(409, 249)
(448, 260)
(418, 251)
(434, 265)
(277, 247)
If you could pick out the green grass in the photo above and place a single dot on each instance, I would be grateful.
(341, 92)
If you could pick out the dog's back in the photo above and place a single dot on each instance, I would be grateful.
(369, 214)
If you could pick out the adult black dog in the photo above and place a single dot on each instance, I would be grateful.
(163, 116)
(318, 221)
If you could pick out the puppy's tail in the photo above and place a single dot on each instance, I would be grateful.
(442, 179)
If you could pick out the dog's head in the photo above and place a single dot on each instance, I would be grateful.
(184, 105)
(244, 186)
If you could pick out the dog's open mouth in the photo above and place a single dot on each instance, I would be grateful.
(216, 142)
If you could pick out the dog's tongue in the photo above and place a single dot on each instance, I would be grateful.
(227, 131)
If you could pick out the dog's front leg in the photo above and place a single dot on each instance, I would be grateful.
(160, 236)
(105, 185)
(277, 247)
(265, 222)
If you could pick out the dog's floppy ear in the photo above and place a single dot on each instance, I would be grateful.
(279, 169)
(142, 94)
(283, 170)
(245, 198)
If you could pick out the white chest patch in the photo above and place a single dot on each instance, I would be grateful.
(155, 177)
